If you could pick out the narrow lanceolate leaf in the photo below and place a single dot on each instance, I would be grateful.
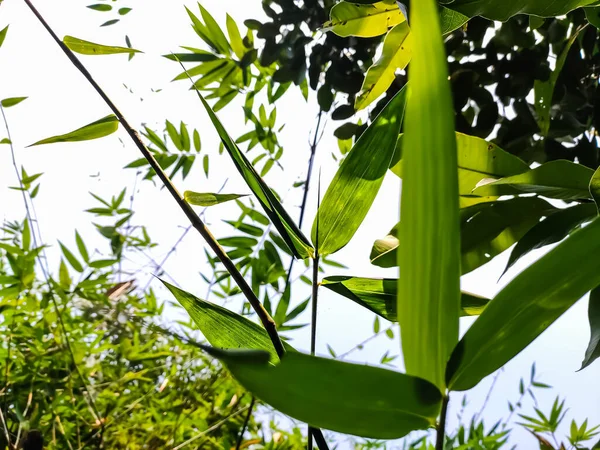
(222, 327)
(495, 10)
(89, 48)
(364, 20)
(595, 188)
(288, 230)
(208, 199)
(347, 398)
(544, 90)
(560, 179)
(526, 307)
(593, 351)
(429, 256)
(552, 230)
(395, 55)
(94, 130)
(477, 160)
(3, 32)
(380, 295)
(13, 101)
(358, 180)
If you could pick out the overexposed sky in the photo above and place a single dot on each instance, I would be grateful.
(60, 100)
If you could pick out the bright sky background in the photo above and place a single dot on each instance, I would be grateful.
(60, 100)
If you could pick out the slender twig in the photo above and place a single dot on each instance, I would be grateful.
(5, 429)
(211, 429)
(366, 341)
(441, 428)
(194, 219)
(246, 422)
(488, 395)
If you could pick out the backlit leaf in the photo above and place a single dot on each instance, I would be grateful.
(89, 48)
(95, 130)
(593, 351)
(495, 10)
(364, 20)
(209, 199)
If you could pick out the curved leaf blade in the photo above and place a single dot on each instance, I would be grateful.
(379, 295)
(347, 398)
(95, 130)
(502, 11)
(90, 48)
(593, 351)
(364, 20)
(209, 199)
(559, 179)
(430, 255)
(526, 307)
(358, 180)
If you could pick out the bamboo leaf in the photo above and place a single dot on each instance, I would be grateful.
(502, 11)
(552, 230)
(395, 55)
(560, 179)
(209, 199)
(380, 295)
(430, 255)
(235, 38)
(358, 180)
(71, 258)
(95, 130)
(364, 20)
(222, 327)
(526, 307)
(347, 398)
(477, 160)
(13, 101)
(3, 33)
(595, 188)
(284, 224)
(593, 351)
(89, 48)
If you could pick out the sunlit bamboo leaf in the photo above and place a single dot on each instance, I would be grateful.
(89, 48)
(95, 130)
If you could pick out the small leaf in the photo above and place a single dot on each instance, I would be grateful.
(89, 48)
(100, 7)
(124, 11)
(526, 307)
(71, 258)
(3, 35)
(347, 398)
(8, 102)
(209, 199)
(82, 248)
(109, 23)
(95, 130)
(593, 351)
(358, 180)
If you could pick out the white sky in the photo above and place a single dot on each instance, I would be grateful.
(60, 100)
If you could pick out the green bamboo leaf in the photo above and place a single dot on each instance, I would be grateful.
(560, 179)
(430, 255)
(358, 180)
(82, 248)
(477, 160)
(593, 351)
(347, 398)
(487, 230)
(209, 199)
(553, 229)
(380, 295)
(595, 188)
(526, 307)
(174, 135)
(502, 11)
(89, 48)
(224, 328)
(235, 38)
(395, 55)
(592, 14)
(364, 20)
(544, 90)
(71, 258)
(451, 20)
(13, 101)
(3, 33)
(95, 130)
(215, 34)
(284, 224)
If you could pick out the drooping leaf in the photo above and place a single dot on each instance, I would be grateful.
(477, 160)
(284, 224)
(429, 257)
(358, 180)
(544, 90)
(593, 351)
(364, 20)
(348, 398)
(526, 307)
(222, 327)
(209, 199)
(13, 101)
(553, 229)
(395, 55)
(487, 230)
(560, 179)
(89, 48)
(380, 295)
(95, 130)
(504, 10)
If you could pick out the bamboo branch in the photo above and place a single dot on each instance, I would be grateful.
(441, 428)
